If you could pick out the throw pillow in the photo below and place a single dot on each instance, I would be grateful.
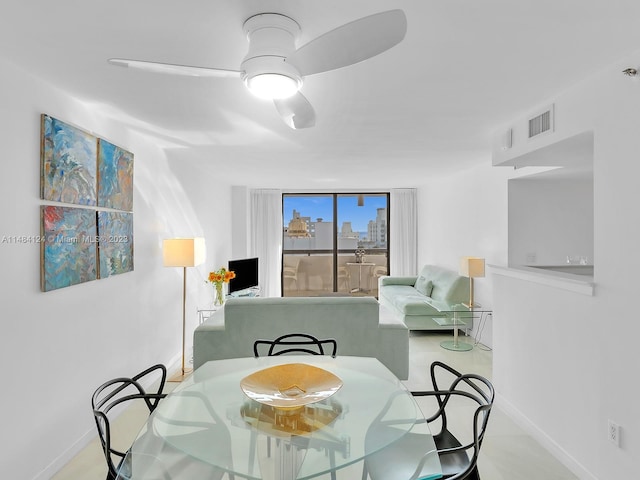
(424, 286)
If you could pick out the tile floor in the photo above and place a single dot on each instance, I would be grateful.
(508, 453)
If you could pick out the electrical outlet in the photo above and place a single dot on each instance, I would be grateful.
(614, 433)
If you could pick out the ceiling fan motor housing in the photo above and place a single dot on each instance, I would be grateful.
(272, 38)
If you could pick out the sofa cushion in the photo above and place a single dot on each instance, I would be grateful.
(413, 305)
(392, 291)
(448, 286)
(424, 286)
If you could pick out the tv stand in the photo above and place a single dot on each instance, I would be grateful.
(247, 292)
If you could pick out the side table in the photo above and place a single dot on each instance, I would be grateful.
(360, 265)
(458, 317)
(206, 312)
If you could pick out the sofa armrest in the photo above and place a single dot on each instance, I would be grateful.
(410, 281)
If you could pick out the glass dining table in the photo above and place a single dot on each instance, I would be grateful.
(209, 428)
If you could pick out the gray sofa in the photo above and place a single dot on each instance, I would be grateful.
(424, 302)
(360, 325)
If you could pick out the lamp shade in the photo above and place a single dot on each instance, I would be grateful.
(472, 267)
(183, 252)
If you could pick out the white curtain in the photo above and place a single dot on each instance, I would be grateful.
(403, 248)
(266, 238)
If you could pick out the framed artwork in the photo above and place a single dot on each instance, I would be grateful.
(115, 177)
(115, 243)
(83, 244)
(68, 246)
(69, 163)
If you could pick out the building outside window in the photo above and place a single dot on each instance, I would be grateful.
(334, 243)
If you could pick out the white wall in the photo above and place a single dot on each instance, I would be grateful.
(565, 363)
(239, 222)
(465, 215)
(56, 347)
(549, 220)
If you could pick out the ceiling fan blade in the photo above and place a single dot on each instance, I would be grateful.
(173, 69)
(351, 43)
(296, 111)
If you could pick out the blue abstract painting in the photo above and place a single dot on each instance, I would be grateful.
(69, 162)
(68, 244)
(115, 243)
(115, 177)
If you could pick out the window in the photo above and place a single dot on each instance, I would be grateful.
(334, 243)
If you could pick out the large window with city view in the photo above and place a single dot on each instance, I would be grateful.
(334, 243)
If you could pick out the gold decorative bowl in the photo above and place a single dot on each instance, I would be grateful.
(290, 385)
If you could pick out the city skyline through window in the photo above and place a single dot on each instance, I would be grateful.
(334, 242)
(319, 208)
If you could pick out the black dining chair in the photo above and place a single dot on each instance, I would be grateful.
(296, 343)
(110, 397)
(467, 394)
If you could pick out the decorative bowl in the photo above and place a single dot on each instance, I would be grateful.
(290, 385)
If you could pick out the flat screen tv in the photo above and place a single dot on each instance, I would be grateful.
(246, 270)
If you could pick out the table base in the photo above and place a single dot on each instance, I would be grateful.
(456, 346)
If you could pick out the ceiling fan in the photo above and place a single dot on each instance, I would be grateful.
(275, 69)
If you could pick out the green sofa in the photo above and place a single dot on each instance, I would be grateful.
(360, 325)
(421, 302)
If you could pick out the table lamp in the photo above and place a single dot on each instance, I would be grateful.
(472, 267)
(183, 252)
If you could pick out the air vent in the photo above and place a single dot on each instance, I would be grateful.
(542, 123)
(507, 139)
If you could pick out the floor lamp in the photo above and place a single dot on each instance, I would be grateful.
(183, 252)
(472, 267)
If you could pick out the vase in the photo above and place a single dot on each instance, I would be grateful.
(219, 298)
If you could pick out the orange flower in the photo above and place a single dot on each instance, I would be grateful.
(221, 275)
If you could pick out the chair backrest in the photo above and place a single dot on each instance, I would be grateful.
(474, 388)
(379, 270)
(113, 394)
(291, 262)
(297, 343)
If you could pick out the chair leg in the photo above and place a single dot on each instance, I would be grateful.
(332, 462)
(365, 474)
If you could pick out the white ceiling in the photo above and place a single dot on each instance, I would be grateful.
(427, 106)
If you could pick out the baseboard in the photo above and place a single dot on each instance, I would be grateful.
(545, 440)
(57, 465)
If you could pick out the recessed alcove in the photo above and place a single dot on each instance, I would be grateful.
(550, 208)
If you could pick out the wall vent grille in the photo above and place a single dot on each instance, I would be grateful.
(507, 139)
(542, 123)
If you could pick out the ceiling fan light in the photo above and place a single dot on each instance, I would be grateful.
(272, 86)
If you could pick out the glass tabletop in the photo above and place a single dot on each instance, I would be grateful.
(207, 425)
(458, 308)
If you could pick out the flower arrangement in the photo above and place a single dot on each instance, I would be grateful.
(219, 278)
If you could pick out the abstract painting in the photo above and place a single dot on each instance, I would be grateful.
(69, 253)
(69, 162)
(115, 243)
(115, 177)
